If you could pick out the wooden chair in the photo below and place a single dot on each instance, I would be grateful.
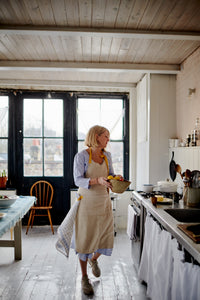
(43, 191)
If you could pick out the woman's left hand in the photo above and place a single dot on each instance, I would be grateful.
(104, 181)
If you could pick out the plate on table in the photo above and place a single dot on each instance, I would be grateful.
(163, 200)
(7, 201)
(2, 215)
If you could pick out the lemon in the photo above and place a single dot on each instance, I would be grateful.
(117, 177)
(110, 177)
(159, 198)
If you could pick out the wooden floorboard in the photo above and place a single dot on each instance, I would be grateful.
(45, 274)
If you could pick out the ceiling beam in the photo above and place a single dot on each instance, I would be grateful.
(101, 32)
(89, 67)
(64, 83)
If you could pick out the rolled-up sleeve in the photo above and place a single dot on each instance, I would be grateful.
(79, 171)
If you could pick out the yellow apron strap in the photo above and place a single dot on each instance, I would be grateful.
(106, 160)
(103, 155)
(90, 156)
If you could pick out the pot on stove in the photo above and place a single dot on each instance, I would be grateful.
(147, 188)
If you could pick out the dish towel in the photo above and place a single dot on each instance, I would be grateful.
(132, 223)
(65, 230)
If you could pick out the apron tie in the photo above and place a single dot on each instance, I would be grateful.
(102, 155)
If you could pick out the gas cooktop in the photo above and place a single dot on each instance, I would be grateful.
(165, 195)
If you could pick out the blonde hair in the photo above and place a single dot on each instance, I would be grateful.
(91, 139)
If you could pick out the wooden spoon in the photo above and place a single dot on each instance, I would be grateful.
(188, 173)
(179, 170)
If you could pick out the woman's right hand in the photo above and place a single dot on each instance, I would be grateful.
(104, 181)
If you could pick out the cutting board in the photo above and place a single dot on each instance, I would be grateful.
(191, 232)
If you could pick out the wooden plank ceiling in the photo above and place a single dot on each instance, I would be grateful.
(63, 44)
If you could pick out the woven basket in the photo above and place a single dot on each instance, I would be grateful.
(119, 186)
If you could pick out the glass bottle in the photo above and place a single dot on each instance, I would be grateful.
(197, 131)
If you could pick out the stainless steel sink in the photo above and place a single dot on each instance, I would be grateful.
(186, 215)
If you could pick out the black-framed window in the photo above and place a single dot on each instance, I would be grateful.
(16, 135)
(43, 137)
(4, 134)
(112, 112)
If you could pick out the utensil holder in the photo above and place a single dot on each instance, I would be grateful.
(193, 197)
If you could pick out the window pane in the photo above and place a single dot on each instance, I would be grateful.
(3, 155)
(89, 114)
(4, 134)
(112, 117)
(4, 116)
(116, 149)
(53, 157)
(33, 157)
(32, 117)
(108, 113)
(81, 146)
(53, 118)
(105, 112)
(43, 118)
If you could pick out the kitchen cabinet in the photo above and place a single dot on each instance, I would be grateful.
(163, 266)
(170, 262)
(156, 261)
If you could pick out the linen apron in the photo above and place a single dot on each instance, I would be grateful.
(94, 220)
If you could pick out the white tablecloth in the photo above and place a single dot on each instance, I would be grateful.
(15, 212)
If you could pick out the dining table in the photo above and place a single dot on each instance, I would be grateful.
(12, 217)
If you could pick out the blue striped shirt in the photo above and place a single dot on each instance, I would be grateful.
(81, 161)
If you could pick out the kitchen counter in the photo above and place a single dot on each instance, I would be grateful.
(170, 224)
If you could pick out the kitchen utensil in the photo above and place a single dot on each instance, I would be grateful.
(193, 197)
(154, 200)
(172, 168)
(147, 188)
(188, 174)
(195, 179)
(184, 228)
(186, 181)
(178, 169)
(195, 229)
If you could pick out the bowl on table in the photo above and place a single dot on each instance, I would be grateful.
(7, 201)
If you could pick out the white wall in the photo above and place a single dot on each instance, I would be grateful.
(188, 108)
(142, 162)
(156, 123)
(162, 124)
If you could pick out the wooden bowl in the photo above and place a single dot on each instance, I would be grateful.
(119, 186)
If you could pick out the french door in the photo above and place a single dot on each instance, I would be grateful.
(45, 146)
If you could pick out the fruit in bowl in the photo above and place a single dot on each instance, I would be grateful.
(3, 197)
(119, 184)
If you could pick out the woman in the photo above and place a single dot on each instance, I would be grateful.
(94, 232)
